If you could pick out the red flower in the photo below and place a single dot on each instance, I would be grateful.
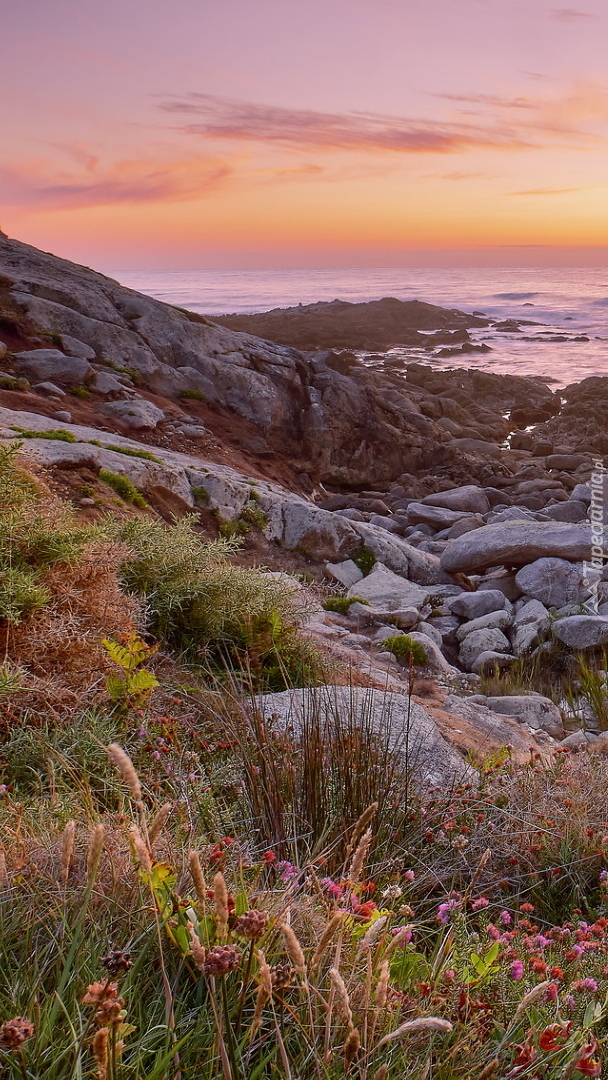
(363, 912)
(528, 908)
(554, 1036)
(589, 1065)
(269, 858)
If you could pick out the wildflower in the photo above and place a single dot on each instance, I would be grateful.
(554, 1036)
(405, 938)
(443, 911)
(526, 908)
(557, 973)
(100, 991)
(13, 1033)
(570, 1002)
(221, 959)
(363, 912)
(333, 890)
(392, 892)
(287, 870)
(585, 984)
(269, 858)
(117, 962)
(516, 970)
(409, 875)
(481, 902)
(551, 992)
(281, 976)
(251, 924)
(587, 1064)
(505, 918)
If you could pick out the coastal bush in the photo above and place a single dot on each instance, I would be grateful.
(405, 649)
(124, 487)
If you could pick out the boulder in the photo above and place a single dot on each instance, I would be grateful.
(469, 499)
(140, 415)
(494, 620)
(104, 382)
(438, 517)
(555, 582)
(75, 347)
(347, 572)
(43, 365)
(516, 543)
(531, 709)
(488, 661)
(436, 661)
(531, 620)
(582, 631)
(386, 591)
(48, 389)
(401, 557)
(490, 728)
(472, 605)
(401, 723)
(481, 641)
(572, 510)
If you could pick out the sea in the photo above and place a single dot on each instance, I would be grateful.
(562, 312)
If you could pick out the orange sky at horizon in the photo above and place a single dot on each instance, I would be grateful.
(350, 132)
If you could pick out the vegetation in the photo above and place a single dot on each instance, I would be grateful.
(56, 434)
(365, 560)
(132, 452)
(124, 487)
(341, 604)
(195, 882)
(405, 649)
(192, 395)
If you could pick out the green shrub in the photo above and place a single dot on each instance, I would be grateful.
(20, 593)
(341, 604)
(55, 434)
(192, 395)
(252, 515)
(80, 392)
(204, 604)
(200, 495)
(230, 529)
(365, 560)
(8, 383)
(128, 452)
(405, 648)
(123, 487)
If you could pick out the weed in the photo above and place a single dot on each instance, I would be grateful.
(133, 689)
(200, 495)
(405, 649)
(253, 515)
(365, 560)
(341, 604)
(123, 487)
(80, 392)
(231, 529)
(130, 452)
(55, 434)
(192, 395)
(7, 382)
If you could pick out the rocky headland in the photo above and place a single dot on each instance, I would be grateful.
(450, 507)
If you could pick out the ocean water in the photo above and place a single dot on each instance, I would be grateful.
(560, 303)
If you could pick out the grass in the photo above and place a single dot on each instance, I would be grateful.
(192, 395)
(405, 649)
(341, 604)
(365, 560)
(124, 487)
(55, 434)
(129, 452)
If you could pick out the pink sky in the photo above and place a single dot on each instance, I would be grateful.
(205, 133)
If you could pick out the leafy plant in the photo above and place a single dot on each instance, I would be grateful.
(342, 604)
(133, 689)
(192, 395)
(124, 487)
(365, 560)
(55, 434)
(405, 648)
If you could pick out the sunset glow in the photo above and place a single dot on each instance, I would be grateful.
(343, 132)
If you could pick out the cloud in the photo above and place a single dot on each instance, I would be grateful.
(40, 184)
(557, 191)
(508, 122)
(223, 118)
(570, 14)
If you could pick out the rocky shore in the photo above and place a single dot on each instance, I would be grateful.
(449, 506)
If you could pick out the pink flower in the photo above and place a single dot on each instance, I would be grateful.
(408, 936)
(443, 911)
(332, 888)
(570, 1002)
(505, 918)
(409, 875)
(492, 932)
(516, 970)
(480, 903)
(585, 984)
(551, 992)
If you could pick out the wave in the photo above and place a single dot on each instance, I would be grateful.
(601, 303)
(514, 295)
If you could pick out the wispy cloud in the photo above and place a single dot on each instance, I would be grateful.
(39, 183)
(557, 191)
(480, 121)
(223, 118)
(570, 14)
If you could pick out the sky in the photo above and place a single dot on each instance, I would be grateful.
(273, 133)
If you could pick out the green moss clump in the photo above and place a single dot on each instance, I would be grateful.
(252, 515)
(406, 649)
(341, 604)
(192, 395)
(7, 382)
(365, 560)
(123, 487)
(128, 452)
(229, 529)
(80, 392)
(200, 495)
(55, 434)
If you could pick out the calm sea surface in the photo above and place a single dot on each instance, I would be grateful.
(562, 303)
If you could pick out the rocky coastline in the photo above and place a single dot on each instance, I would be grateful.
(451, 506)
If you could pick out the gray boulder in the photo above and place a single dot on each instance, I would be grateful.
(470, 499)
(531, 621)
(572, 510)
(438, 517)
(490, 727)
(472, 605)
(489, 660)
(401, 723)
(44, 365)
(554, 582)
(395, 552)
(48, 389)
(582, 631)
(531, 709)
(386, 591)
(347, 573)
(516, 543)
(436, 661)
(480, 641)
(494, 620)
(141, 415)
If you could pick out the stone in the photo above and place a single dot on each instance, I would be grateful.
(386, 591)
(572, 510)
(41, 365)
(504, 582)
(48, 389)
(494, 620)
(438, 517)
(579, 740)
(401, 724)
(516, 543)
(531, 620)
(581, 493)
(465, 525)
(3, 350)
(140, 415)
(435, 660)
(472, 605)
(555, 582)
(103, 382)
(480, 641)
(430, 632)
(400, 556)
(490, 729)
(489, 660)
(469, 499)
(302, 525)
(77, 348)
(582, 631)
(566, 462)
(63, 416)
(531, 709)
(347, 572)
